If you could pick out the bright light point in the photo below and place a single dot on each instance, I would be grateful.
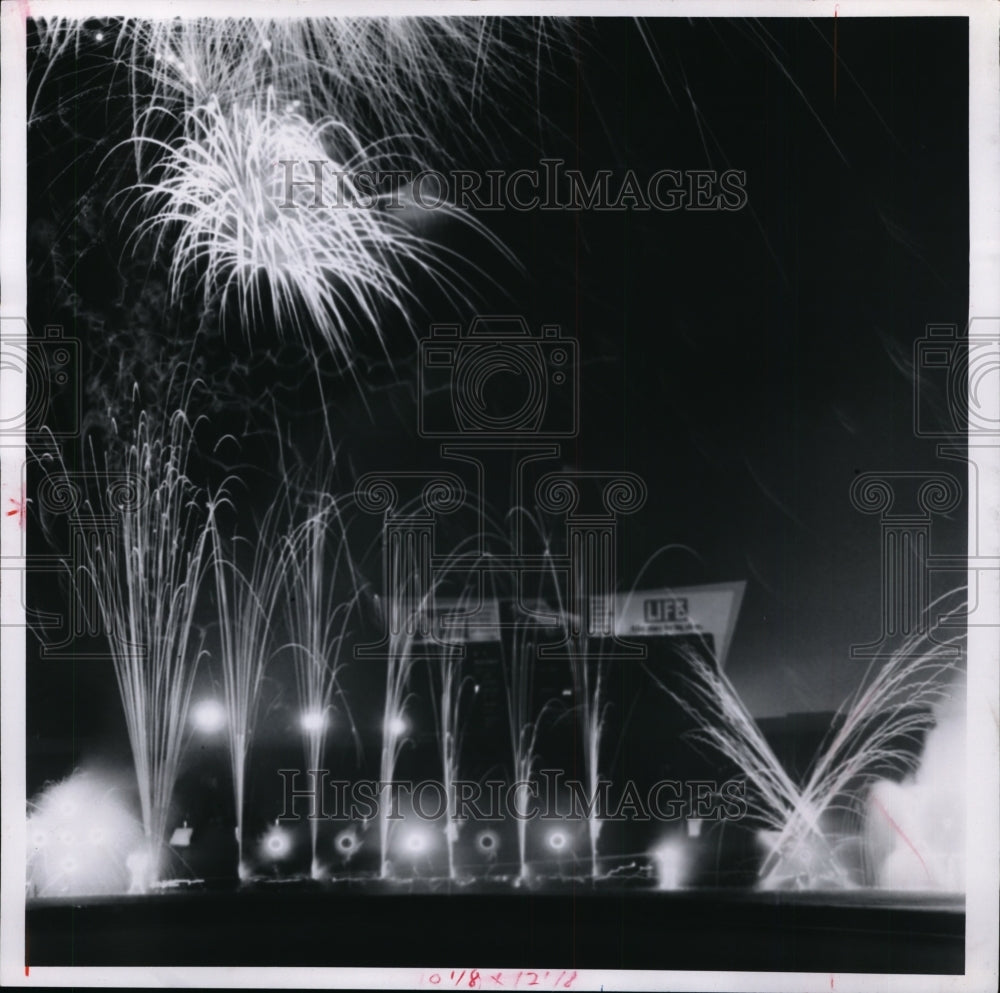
(276, 844)
(671, 865)
(313, 721)
(99, 36)
(487, 842)
(141, 869)
(557, 841)
(397, 726)
(208, 716)
(346, 842)
(416, 842)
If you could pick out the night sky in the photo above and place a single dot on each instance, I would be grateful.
(746, 364)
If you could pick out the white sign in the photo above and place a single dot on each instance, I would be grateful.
(680, 611)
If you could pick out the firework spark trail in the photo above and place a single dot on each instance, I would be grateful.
(890, 706)
(896, 704)
(416, 75)
(446, 700)
(317, 612)
(146, 578)
(246, 603)
(404, 610)
(588, 682)
(518, 659)
(394, 732)
(518, 663)
(448, 685)
(588, 672)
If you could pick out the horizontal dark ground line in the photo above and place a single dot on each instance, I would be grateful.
(575, 927)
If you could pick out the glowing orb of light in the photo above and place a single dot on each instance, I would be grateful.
(347, 843)
(671, 865)
(396, 726)
(557, 840)
(488, 842)
(208, 716)
(313, 721)
(276, 844)
(416, 842)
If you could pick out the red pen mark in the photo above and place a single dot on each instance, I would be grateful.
(497, 978)
(831, 980)
(900, 832)
(20, 510)
(434, 979)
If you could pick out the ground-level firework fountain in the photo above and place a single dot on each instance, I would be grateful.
(320, 598)
(140, 549)
(246, 603)
(880, 731)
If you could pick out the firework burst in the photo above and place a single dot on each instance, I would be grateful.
(219, 197)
